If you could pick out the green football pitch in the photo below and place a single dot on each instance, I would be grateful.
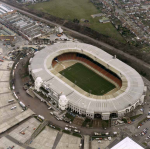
(87, 79)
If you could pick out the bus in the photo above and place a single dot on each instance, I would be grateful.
(40, 118)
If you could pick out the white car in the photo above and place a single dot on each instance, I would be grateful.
(49, 108)
(139, 127)
(77, 131)
(12, 108)
(57, 118)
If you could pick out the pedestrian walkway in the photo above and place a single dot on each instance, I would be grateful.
(17, 142)
(59, 135)
(36, 132)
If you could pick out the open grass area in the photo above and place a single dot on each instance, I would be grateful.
(86, 122)
(105, 124)
(77, 135)
(66, 131)
(78, 9)
(87, 79)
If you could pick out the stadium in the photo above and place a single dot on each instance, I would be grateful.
(87, 80)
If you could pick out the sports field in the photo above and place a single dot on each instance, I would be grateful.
(87, 79)
(78, 9)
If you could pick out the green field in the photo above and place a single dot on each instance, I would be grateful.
(78, 9)
(87, 79)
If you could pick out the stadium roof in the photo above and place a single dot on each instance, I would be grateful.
(127, 143)
(132, 83)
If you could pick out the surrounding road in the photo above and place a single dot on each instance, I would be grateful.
(41, 108)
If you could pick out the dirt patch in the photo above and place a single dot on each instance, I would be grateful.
(78, 121)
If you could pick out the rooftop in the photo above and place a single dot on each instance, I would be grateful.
(127, 143)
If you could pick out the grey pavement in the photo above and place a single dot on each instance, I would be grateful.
(8, 104)
(17, 142)
(36, 132)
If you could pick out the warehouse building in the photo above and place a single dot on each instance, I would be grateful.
(4, 10)
(6, 34)
(22, 25)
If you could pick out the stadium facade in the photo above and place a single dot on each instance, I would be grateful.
(131, 90)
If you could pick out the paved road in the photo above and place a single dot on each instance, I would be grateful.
(41, 108)
(8, 104)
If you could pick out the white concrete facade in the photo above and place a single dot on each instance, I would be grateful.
(63, 102)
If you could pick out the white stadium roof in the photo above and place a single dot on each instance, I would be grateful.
(127, 143)
(132, 83)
